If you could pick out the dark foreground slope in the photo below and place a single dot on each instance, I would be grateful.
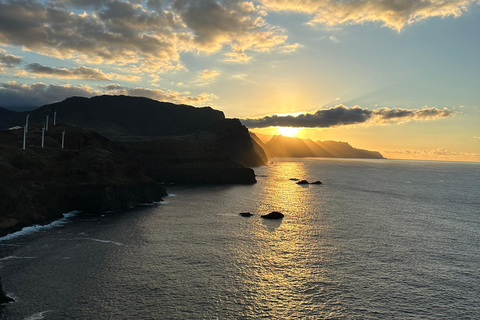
(92, 173)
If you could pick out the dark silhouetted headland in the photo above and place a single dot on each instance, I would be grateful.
(280, 146)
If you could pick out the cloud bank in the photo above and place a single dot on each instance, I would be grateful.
(392, 14)
(342, 116)
(149, 34)
(13, 94)
(83, 73)
(436, 154)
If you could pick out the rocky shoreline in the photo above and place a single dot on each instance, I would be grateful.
(38, 185)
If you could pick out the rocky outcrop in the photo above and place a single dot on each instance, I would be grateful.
(245, 214)
(92, 173)
(274, 215)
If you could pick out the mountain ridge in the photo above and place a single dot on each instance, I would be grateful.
(281, 146)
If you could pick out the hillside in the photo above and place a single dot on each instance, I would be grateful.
(159, 124)
(91, 173)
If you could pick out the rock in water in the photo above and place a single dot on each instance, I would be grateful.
(302, 182)
(3, 296)
(273, 215)
(317, 182)
(245, 214)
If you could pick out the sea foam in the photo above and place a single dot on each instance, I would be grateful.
(38, 316)
(36, 228)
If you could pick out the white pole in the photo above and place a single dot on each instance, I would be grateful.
(63, 138)
(26, 123)
(46, 125)
(43, 136)
(24, 136)
(55, 118)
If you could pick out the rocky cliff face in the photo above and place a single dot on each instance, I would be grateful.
(92, 173)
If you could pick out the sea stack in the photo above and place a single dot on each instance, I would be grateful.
(273, 215)
(302, 182)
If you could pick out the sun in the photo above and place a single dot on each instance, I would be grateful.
(287, 131)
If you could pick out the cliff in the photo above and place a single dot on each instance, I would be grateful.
(92, 173)
(173, 143)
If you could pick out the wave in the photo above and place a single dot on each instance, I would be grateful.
(36, 228)
(103, 241)
(38, 316)
(15, 257)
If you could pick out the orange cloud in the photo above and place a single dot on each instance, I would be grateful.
(393, 14)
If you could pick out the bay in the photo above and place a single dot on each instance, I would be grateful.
(378, 239)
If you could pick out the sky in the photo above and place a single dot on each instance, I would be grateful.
(401, 77)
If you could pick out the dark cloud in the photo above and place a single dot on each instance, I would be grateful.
(342, 116)
(119, 32)
(9, 60)
(37, 94)
(149, 33)
(75, 73)
(16, 94)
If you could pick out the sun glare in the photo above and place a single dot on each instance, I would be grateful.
(287, 131)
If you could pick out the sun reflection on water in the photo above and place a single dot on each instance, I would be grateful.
(280, 268)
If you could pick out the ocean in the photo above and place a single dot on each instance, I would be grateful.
(379, 239)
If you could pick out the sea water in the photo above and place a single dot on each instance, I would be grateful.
(379, 239)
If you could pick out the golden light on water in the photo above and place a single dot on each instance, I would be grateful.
(280, 272)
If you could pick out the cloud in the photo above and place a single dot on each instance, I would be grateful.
(240, 76)
(84, 73)
(237, 24)
(148, 34)
(209, 74)
(334, 39)
(171, 96)
(117, 32)
(436, 154)
(343, 116)
(8, 61)
(393, 14)
(206, 77)
(13, 94)
(75, 73)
